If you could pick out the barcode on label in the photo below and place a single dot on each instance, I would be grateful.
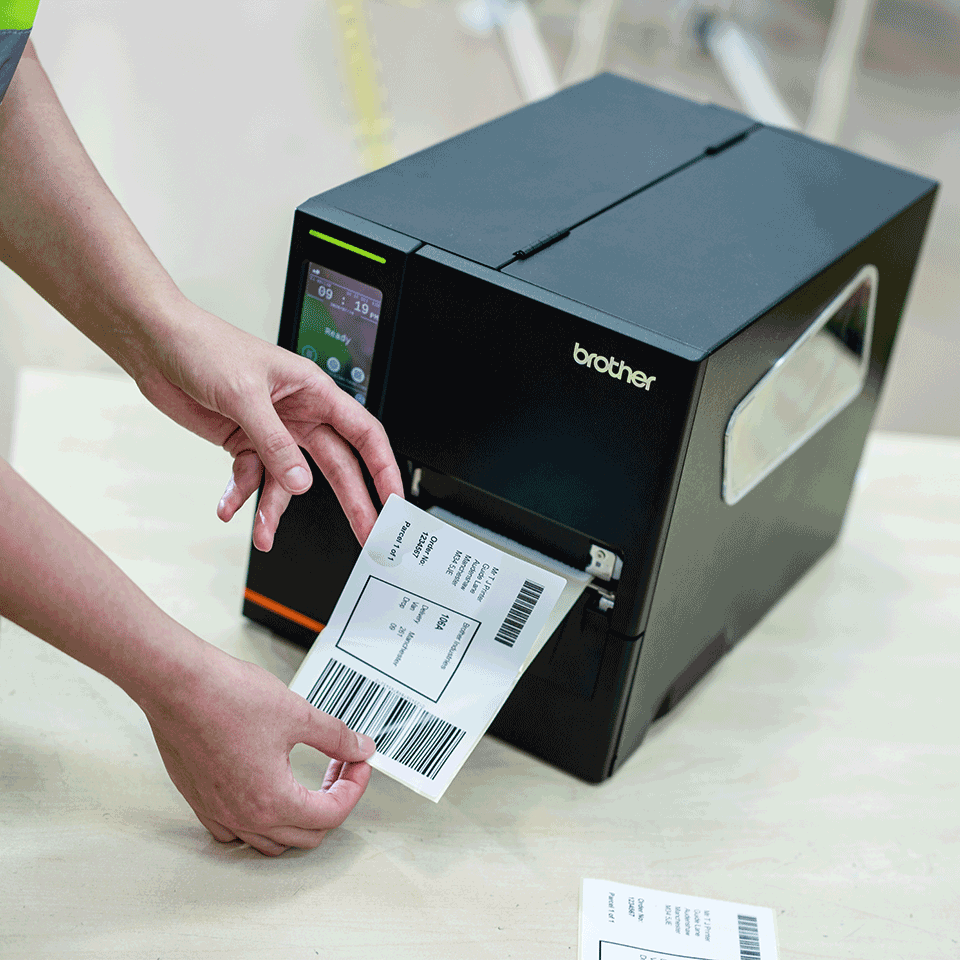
(749, 937)
(519, 613)
(402, 730)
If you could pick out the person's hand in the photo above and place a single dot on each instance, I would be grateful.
(261, 403)
(226, 745)
(63, 231)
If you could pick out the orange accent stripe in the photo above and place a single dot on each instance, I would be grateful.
(261, 601)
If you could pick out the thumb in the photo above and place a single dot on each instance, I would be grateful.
(334, 738)
(278, 451)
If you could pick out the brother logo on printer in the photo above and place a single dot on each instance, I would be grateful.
(616, 368)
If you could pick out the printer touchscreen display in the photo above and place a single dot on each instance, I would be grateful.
(338, 327)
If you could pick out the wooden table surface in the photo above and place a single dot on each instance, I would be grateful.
(815, 770)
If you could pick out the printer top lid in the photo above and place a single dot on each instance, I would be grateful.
(707, 251)
(542, 169)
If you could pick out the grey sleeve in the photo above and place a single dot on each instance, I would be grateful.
(12, 43)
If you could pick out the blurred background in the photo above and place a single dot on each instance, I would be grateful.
(212, 121)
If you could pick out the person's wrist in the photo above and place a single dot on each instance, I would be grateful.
(153, 333)
(168, 670)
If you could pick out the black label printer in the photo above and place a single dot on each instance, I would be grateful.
(641, 335)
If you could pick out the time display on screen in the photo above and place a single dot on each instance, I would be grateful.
(338, 327)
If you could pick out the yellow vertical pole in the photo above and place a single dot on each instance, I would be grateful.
(364, 90)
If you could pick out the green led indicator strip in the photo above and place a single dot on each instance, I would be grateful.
(346, 246)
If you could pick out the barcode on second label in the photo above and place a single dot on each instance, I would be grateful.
(519, 613)
(749, 937)
(402, 730)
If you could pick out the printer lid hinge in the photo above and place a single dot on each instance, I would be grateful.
(730, 141)
(538, 245)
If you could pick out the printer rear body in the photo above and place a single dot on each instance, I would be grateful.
(640, 335)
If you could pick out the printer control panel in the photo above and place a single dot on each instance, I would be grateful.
(340, 298)
(339, 317)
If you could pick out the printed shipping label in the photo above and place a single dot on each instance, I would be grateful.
(623, 922)
(428, 639)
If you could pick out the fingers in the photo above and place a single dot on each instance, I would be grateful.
(337, 463)
(328, 807)
(311, 813)
(304, 816)
(366, 435)
(269, 846)
(288, 814)
(330, 425)
(273, 502)
(314, 812)
(318, 812)
(219, 831)
(297, 837)
(276, 447)
(334, 769)
(245, 479)
(266, 846)
(247, 473)
(333, 737)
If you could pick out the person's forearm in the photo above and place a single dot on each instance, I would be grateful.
(224, 728)
(63, 231)
(61, 587)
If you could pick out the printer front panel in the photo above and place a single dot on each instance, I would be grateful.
(343, 284)
(547, 417)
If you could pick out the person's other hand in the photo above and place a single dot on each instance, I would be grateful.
(226, 743)
(262, 403)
